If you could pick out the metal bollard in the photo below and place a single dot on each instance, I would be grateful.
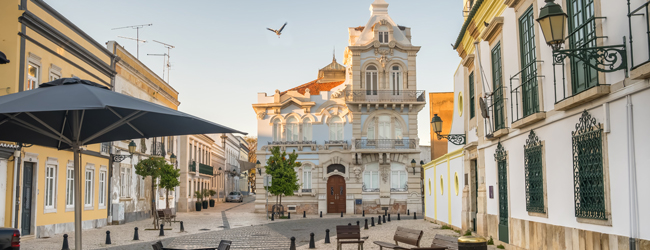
(293, 243)
(108, 237)
(388, 217)
(327, 236)
(349, 224)
(321, 214)
(312, 245)
(135, 234)
(162, 230)
(363, 213)
(384, 218)
(372, 221)
(272, 216)
(385, 212)
(357, 223)
(408, 212)
(365, 226)
(341, 214)
(414, 216)
(398, 217)
(304, 214)
(378, 219)
(65, 243)
(289, 215)
(182, 227)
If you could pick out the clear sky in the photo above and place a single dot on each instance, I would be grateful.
(224, 55)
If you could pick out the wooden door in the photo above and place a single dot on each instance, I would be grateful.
(26, 217)
(335, 194)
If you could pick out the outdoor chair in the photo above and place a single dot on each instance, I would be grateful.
(224, 245)
(168, 215)
(403, 235)
(349, 235)
(157, 246)
(441, 242)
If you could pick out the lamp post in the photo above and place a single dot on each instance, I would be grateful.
(413, 165)
(259, 170)
(552, 20)
(456, 139)
(120, 157)
(173, 159)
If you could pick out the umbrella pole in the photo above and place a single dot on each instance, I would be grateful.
(77, 198)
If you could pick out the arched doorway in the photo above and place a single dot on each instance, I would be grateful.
(335, 194)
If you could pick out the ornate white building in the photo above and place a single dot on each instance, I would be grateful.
(354, 127)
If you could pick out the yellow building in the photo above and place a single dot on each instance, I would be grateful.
(42, 45)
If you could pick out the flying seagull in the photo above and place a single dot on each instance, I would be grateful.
(278, 32)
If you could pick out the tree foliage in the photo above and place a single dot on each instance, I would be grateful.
(280, 167)
(168, 179)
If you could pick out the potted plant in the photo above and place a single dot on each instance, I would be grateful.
(204, 195)
(199, 197)
(212, 193)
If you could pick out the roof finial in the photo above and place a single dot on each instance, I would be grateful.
(334, 54)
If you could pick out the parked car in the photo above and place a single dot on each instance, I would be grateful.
(9, 238)
(235, 196)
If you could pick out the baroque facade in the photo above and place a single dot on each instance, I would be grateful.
(555, 144)
(354, 127)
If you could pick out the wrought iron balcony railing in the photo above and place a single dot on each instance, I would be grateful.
(192, 166)
(385, 143)
(403, 189)
(390, 96)
(368, 189)
(291, 142)
(158, 148)
(527, 92)
(104, 147)
(206, 169)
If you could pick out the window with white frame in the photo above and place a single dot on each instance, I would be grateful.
(383, 36)
(384, 127)
(88, 201)
(306, 130)
(336, 128)
(292, 129)
(69, 189)
(306, 177)
(398, 129)
(395, 79)
(371, 178)
(125, 182)
(371, 129)
(102, 189)
(50, 186)
(55, 72)
(371, 80)
(141, 187)
(33, 76)
(277, 130)
(398, 177)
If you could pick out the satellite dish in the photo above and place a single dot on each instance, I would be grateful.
(483, 106)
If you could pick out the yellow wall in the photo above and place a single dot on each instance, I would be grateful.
(488, 10)
(9, 45)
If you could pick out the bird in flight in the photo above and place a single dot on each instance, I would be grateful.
(279, 31)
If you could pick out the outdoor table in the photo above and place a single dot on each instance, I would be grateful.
(190, 247)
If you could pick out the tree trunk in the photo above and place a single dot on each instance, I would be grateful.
(153, 203)
(167, 199)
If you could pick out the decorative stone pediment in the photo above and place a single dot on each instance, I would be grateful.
(261, 108)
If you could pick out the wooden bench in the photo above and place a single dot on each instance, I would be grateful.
(168, 214)
(164, 215)
(349, 235)
(404, 235)
(442, 242)
(224, 245)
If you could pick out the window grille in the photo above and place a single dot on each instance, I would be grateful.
(501, 158)
(589, 191)
(534, 174)
(472, 111)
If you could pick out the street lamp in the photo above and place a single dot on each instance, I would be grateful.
(259, 170)
(120, 157)
(413, 165)
(552, 21)
(456, 139)
(173, 159)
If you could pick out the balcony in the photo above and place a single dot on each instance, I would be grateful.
(203, 169)
(385, 96)
(158, 149)
(284, 144)
(385, 144)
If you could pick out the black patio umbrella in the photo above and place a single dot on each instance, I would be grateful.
(3, 58)
(68, 113)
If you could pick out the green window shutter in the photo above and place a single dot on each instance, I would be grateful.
(589, 191)
(472, 112)
(534, 174)
(582, 34)
(527, 48)
(497, 86)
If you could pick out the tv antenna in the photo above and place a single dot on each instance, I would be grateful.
(164, 64)
(168, 64)
(137, 39)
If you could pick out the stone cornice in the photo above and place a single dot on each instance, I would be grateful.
(468, 61)
(148, 81)
(261, 108)
(493, 29)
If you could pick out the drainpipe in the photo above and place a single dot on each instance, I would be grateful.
(631, 165)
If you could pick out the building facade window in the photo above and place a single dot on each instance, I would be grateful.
(88, 201)
(306, 130)
(69, 187)
(292, 129)
(33, 76)
(497, 85)
(534, 174)
(50, 186)
(472, 111)
(55, 72)
(383, 36)
(384, 127)
(101, 195)
(582, 30)
(589, 183)
(277, 130)
(371, 80)
(398, 178)
(306, 178)
(528, 63)
(125, 181)
(371, 178)
(396, 79)
(336, 128)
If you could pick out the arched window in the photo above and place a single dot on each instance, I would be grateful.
(395, 79)
(398, 177)
(384, 127)
(336, 128)
(306, 130)
(371, 80)
(306, 177)
(277, 130)
(292, 129)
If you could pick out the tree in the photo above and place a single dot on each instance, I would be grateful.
(151, 167)
(281, 168)
(252, 157)
(169, 179)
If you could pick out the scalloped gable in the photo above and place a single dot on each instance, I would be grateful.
(379, 11)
